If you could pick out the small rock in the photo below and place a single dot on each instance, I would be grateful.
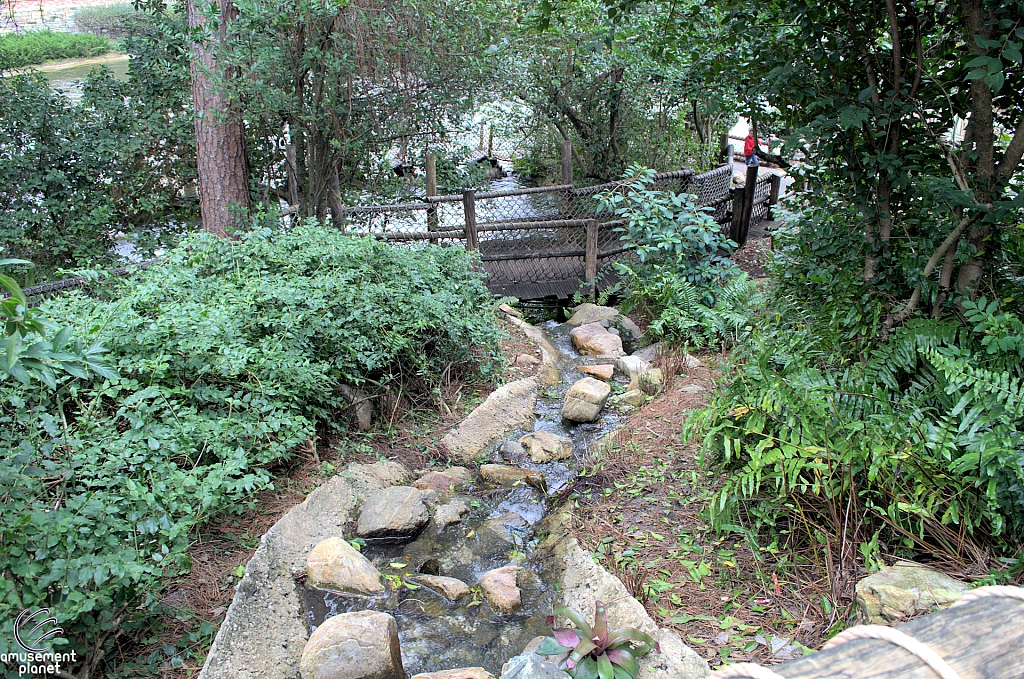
(591, 313)
(584, 400)
(692, 389)
(692, 362)
(444, 481)
(507, 476)
(531, 666)
(632, 367)
(501, 590)
(335, 564)
(545, 446)
(649, 353)
(603, 372)
(499, 528)
(595, 340)
(396, 512)
(536, 642)
(905, 590)
(512, 451)
(613, 330)
(628, 399)
(449, 588)
(359, 645)
(461, 673)
(651, 381)
(450, 513)
(526, 361)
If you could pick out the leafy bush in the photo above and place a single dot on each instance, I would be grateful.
(680, 275)
(37, 47)
(108, 21)
(76, 178)
(918, 447)
(228, 355)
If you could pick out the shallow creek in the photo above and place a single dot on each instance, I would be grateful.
(500, 529)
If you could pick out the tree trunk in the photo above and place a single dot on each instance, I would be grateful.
(220, 137)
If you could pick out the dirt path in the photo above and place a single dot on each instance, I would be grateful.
(639, 506)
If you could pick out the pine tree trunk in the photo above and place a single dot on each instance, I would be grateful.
(220, 136)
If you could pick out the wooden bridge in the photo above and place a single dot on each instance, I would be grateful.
(550, 241)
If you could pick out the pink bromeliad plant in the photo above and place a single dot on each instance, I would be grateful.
(596, 652)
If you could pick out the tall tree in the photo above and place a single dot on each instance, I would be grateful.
(220, 135)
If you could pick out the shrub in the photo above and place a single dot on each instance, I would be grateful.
(680, 275)
(37, 47)
(108, 21)
(228, 355)
(917, 447)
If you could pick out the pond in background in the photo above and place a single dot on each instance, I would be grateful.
(68, 76)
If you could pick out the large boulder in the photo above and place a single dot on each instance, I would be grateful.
(627, 399)
(335, 564)
(359, 645)
(397, 512)
(545, 446)
(508, 528)
(592, 313)
(501, 588)
(904, 591)
(503, 475)
(584, 400)
(595, 340)
(529, 665)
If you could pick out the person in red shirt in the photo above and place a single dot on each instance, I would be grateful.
(750, 149)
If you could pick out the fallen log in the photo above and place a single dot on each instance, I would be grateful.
(981, 638)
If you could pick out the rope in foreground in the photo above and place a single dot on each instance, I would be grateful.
(920, 650)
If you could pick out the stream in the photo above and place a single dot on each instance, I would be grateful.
(499, 530)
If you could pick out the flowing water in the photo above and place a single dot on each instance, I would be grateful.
(438, 634)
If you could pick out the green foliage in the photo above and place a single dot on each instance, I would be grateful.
(918, 446)
(596, 650)
(37, 47)
(110, 21)
(220, 360)
(76, 175)
(680, 277)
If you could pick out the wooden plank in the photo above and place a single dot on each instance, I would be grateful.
(590, 259)
(748, 203)
(737, 215)
(982, 639)
(469, 206)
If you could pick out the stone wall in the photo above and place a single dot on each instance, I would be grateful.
(37, 15)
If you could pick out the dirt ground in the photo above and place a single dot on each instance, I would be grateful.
(639, 507)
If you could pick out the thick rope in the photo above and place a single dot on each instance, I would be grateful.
(993, 590)
(893, 636)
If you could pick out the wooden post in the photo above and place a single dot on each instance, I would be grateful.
(469, 207)
(430, 165)
(737, 214)
(590, 259)
(566, 161)
(490, 142)
(773, 197)
(748, 203)
(483, 132)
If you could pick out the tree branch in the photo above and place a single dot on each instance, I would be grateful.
(1014, 152)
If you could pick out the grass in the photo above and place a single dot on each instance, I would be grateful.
(38, 47)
